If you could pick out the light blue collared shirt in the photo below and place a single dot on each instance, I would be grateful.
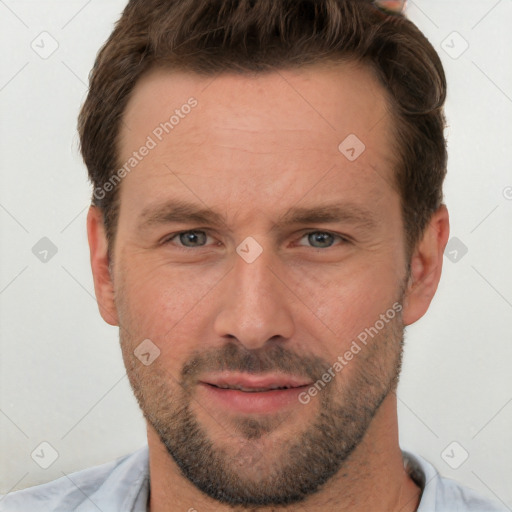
(123, 486)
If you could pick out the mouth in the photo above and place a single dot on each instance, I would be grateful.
(253, 390)
(244, 393)
(255, 383)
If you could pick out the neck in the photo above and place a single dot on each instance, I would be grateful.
(372, 478)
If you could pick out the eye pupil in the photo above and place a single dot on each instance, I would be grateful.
(192, 237)
(324, 239)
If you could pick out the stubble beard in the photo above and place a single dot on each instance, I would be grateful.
(239, 468)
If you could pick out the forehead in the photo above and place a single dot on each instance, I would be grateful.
(258, 135)
(327, 97)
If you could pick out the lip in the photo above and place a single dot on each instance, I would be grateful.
(256, 395)
(247, 381)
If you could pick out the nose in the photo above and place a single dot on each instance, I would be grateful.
(255, 304)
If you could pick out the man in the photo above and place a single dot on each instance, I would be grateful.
(267, 218)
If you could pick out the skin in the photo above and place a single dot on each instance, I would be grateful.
(253, 147)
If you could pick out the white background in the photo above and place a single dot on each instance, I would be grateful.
(62, 376)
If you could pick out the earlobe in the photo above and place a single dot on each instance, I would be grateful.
(103, 284)
(426, 266)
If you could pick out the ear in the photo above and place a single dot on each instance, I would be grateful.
(103, 284)
(426, 265)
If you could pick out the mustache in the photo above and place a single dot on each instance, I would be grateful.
(233, 357)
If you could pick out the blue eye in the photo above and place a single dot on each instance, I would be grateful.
(197, 238)
(322, 238)
(191, 239)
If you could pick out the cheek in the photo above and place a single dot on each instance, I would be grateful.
(339, 303)
(158, 301)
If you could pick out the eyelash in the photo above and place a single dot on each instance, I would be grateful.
(169, 238)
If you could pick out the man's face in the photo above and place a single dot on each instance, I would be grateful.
(257, 297)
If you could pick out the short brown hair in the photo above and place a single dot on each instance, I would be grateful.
(214, 36)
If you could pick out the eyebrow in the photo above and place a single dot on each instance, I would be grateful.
(180, 211)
